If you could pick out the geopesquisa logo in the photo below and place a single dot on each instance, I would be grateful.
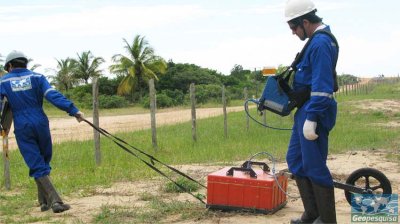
(370, 208)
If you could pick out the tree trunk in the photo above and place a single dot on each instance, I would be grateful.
(139, 86)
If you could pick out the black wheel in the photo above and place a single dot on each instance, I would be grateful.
(373, 181)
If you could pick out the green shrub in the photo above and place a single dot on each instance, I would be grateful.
(164, 101)
(206, 93)
(177, 96)
(108, 102)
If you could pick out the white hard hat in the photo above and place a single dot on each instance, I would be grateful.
(297, 8)
(14, 55)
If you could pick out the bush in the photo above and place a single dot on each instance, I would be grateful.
(206, 93)
(166, 98)
(234, 93)
(177, 96)
(162, 101)
(107, 102)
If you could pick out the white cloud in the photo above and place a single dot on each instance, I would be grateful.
(101, 21)
(367, 57)
(250, 52)
(213, 34)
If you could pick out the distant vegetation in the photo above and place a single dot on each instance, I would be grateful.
(139, 64)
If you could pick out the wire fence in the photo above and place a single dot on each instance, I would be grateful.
(11, 164)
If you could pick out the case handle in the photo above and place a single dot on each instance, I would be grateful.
(249, 164)
(243, 169)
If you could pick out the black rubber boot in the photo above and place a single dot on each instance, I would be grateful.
(41, 198)
(51, 195)
(310, 213)
(325, 198)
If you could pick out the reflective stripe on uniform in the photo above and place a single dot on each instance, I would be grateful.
(322, 94)
(48, 90)
(19, 78)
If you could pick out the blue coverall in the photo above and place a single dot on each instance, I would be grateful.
(25, 91)
(307, 158)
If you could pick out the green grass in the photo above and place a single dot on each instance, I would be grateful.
(188, 185)
(76, 174)
(157, 212)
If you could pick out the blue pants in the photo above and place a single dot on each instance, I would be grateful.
(307, 158)
(33, 137)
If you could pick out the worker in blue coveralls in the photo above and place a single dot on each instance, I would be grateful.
(308, 147)
(25, 91)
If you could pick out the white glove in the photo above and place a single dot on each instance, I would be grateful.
(79, 116)
(309, 130)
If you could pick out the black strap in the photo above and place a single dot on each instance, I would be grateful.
(293, 67)
(118, 141)
(300, 55)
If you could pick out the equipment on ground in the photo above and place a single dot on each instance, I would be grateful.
(263, 190)
(246, 189)
(365, 181)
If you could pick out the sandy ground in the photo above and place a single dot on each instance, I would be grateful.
(128, 193)
(67, 129)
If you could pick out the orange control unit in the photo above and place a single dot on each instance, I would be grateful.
(238, 188)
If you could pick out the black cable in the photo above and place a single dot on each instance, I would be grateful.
(118, 141)
(246, 109)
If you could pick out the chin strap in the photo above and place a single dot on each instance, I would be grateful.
(304, 32)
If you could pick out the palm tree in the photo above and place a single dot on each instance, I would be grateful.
(87, 66)
(35, 66)
(64, 77)
(138, 66)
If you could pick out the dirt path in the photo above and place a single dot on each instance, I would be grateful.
(127, 194)
(67, 129)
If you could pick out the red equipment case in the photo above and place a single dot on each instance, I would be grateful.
(246, 189)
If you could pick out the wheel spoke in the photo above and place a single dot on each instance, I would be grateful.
(367, 182)
(376, 187)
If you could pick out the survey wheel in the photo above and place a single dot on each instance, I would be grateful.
(374, 183)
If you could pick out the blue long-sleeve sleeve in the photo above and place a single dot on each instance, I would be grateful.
(315, 72)
(322, 57)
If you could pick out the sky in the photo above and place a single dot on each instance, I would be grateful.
(214, 34)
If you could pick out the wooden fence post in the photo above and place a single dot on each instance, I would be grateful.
(153, 107)
(265, 118)
(193, 102)
(96, 134)
(246, 96)
(6, 160)
(225, 114)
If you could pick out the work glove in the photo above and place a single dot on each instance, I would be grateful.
(79, 116)
(309, 130)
